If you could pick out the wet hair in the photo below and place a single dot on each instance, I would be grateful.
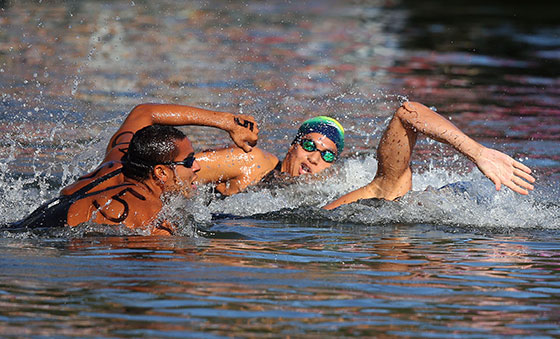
(150, 146)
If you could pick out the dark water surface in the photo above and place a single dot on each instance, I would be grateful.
(463, 261)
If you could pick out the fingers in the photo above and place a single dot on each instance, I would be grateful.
(516, 188)
(522, 183)
(246, 147)
(522, 167)
(497, 182)
(519, 185)
(253, 141)
(523, 174)
(521, 179)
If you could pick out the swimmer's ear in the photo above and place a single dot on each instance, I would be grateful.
(290, 150)
(292, 147)
(159, 173)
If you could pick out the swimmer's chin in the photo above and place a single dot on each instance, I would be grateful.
(187, 193)
(190, 193)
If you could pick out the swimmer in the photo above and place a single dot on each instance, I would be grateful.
(316, 146)
(394, 175)
(320, 141)
(146, 159)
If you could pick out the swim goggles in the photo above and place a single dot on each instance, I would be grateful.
(310, 146)
(188, 162)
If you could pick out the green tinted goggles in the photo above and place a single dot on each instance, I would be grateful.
(310, 146)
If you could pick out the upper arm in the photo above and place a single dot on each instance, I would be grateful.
(138, 118)
(395, 148)
(394, 175)
(233, 167)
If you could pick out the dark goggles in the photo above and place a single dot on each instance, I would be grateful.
(310, 146)
(188, 162)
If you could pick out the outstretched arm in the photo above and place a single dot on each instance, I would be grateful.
(242, 128)
(394, 176)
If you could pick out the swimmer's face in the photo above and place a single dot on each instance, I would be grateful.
(299, 161)
(184, 177)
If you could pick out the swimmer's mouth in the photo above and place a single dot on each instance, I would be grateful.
(304, 169)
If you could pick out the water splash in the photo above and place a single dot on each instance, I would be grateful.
(440, 197)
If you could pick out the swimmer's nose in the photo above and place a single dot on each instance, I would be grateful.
(314, 157)
(196, 166)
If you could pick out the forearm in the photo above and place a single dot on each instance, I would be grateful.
(242, 129)
(348, 198)
(381, 188)
(145, 115)
(218, 166)
(181, 115)
(428, 122)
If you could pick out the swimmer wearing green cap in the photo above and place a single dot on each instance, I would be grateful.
(316, 146)
(320, 141)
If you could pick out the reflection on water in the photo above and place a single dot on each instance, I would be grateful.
(410, 281)
(461, 261)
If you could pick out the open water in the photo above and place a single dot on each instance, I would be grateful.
(463, 261)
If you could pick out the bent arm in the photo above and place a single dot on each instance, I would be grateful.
(242, 128)
(232, 169)
(394, 176)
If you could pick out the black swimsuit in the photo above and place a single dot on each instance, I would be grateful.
(54, 213)
(271, 177)
(275, 179)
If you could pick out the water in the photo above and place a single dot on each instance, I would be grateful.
(462, 261)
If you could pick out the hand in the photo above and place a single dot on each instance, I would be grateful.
(502, 169)
(244, 132)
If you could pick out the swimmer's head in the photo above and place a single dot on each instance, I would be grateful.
(326, 126)
(163, 154)
(317, 144)
(150, 146)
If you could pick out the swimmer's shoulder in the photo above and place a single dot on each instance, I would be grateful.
(265, 160)
(107, 174)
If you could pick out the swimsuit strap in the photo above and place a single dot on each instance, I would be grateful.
(271, 177)
(278, 166)
(55, 211)
(82, 191)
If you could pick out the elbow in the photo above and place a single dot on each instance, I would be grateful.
(411, 105)
(411, 111)
(408, 107)
(142, 111)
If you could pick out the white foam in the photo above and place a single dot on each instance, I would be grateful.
(470, 200)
